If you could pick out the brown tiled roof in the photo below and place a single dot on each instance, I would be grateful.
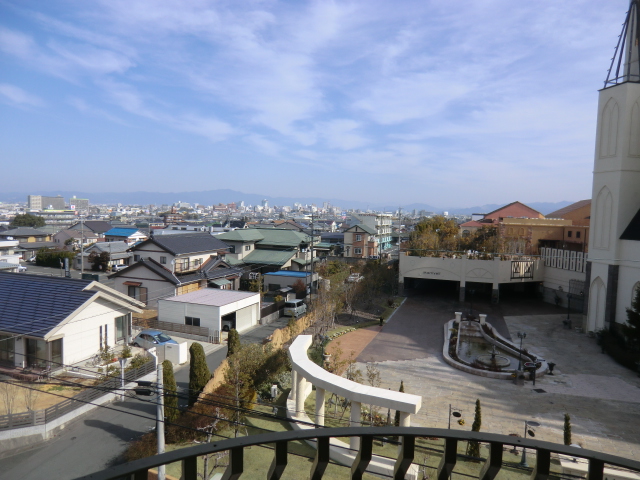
(569, 208)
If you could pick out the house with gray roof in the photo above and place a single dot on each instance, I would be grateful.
(174, 265)
(50, 321)
(119, 254)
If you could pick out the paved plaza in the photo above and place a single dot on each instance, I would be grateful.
(602, 397)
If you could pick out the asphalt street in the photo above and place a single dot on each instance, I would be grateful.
(98, 439)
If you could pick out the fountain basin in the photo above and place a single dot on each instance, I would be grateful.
(491, 360)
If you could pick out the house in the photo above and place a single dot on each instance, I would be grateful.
(129, 235)
(49, 321)
(212, 308)
(263, 250)
(175, 265)
(30, 240)
(119, 254)
(8, 251)
(369, 235)
(99, 227)
(283, 279)
(71, 239)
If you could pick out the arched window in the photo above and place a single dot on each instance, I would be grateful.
(602, 221)
(609, 129)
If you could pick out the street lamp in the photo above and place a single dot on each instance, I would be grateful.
(532, 433)
(521, 336)
(453, 412)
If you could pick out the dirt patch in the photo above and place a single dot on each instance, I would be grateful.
(48, 394)
(353, 343)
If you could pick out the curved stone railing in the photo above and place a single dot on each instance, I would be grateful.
(307, 374)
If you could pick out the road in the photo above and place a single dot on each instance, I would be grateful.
(98, 439)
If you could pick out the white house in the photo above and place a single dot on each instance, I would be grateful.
(55, 320)
(212, 308)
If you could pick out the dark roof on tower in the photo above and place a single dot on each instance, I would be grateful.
(632, 232)
(625, 66)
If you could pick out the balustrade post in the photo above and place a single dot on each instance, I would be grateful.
(405, 421)
(354, 421)
(294, 385)
(320, 394)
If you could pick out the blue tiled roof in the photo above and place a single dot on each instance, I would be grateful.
(33, 305)
(120, 232)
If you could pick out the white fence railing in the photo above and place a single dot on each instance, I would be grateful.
(564, 259)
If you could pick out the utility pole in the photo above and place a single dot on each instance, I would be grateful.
(311, 289)
(160, 421)
(81, 247)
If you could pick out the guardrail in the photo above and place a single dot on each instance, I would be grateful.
(596, 461)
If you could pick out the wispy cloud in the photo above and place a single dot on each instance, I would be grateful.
(17, 96)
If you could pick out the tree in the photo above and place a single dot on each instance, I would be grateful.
(199, 373)
(170, 392)
(631, 329)
(99, 261)
(567, 429)
(233, 342)
(473, 448)
(28, 220)
(397, 419)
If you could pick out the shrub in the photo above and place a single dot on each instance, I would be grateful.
(171, 411)
(199, 373)
(233, 342)
(567, 429)
(145, 446)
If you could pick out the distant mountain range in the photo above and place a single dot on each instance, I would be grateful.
(212, 197)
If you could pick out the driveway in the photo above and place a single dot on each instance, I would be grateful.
(415, 330)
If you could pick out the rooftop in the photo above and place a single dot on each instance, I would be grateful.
(214, 297)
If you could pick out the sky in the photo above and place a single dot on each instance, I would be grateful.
(450, 103)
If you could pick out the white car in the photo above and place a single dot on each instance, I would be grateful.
(22, 268)
(117, 268)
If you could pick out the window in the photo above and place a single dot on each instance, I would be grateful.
(7, 350)
(56, 353)
(193, 321)
(357, 251)
(163, 260)
(577, 234)
(247, 248)
(510, 231)
(122, 327)
(136, 258)
(139, 293)
(232, 249)
(358, 238)
(569, 233)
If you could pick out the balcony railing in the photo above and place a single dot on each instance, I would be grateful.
(138, 470)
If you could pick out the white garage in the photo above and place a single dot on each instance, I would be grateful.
(212, 308)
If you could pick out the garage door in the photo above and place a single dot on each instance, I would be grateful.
(245, 318)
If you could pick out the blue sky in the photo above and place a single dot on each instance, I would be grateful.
(450, 103)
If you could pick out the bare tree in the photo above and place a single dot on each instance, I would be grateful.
(30, 397)
(8, 395)
(373, 378)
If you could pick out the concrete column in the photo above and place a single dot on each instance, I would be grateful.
(483, 318)
(320, 406)
(300, 391)
(294, 384)
(458, 316)
(495, 293)
(354, 421)
(405, 421)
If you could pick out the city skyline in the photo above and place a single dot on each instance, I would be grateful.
(468, 104)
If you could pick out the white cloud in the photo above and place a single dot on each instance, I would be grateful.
(17, 96)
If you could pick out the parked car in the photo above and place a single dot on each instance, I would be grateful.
(32, 259)
(117, 268)
(22, 268)
(294, 308)
(152, 338)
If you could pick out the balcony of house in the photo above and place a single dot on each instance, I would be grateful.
(186, 265)
(545, 459)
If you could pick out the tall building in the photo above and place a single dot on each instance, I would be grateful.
(613, 273)
(79, 204)
(42, 202)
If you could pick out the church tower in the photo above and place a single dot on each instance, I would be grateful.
(614, 244)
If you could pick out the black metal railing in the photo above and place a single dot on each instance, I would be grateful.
(139, 469)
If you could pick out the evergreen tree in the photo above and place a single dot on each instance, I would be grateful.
(473, 448)
(199, 373)
(171, 392)
(632, 328)
(233, 342)
(397, 420)
(567, 429)
(27, 220)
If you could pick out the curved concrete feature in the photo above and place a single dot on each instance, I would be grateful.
(307, 374)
